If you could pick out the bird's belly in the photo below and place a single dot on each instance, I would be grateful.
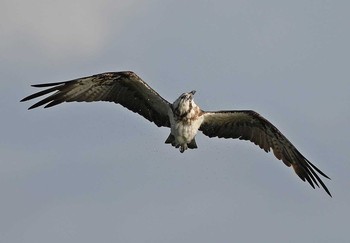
(184, 132)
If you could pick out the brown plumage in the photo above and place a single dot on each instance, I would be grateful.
(183, 116)
(124, 88)
(249, 125)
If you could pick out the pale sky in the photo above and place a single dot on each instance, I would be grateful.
(84, 172)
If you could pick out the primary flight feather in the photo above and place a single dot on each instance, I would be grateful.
(183, 116)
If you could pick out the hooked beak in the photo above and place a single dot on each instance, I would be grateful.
(192, 92)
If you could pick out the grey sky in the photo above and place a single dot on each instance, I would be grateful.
(99, 173)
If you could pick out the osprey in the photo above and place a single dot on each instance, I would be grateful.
(183, 117)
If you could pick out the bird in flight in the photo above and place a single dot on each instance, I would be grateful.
(183, 116)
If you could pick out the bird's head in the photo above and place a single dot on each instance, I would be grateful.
(184, 104)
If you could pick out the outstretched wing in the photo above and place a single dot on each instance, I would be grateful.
(249, 125)
(124, 88)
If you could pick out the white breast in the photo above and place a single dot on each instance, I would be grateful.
(186, 129)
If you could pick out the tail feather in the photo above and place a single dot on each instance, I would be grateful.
(170, 139)
(190, 145)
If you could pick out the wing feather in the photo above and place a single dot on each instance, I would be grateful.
(124, 88)
(249, 125)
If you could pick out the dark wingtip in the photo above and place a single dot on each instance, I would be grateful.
(47, 84)
(327, 191)
(55, 87)
(319, 171)
(33, 106)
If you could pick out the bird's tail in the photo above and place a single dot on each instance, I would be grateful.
(190, 145)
